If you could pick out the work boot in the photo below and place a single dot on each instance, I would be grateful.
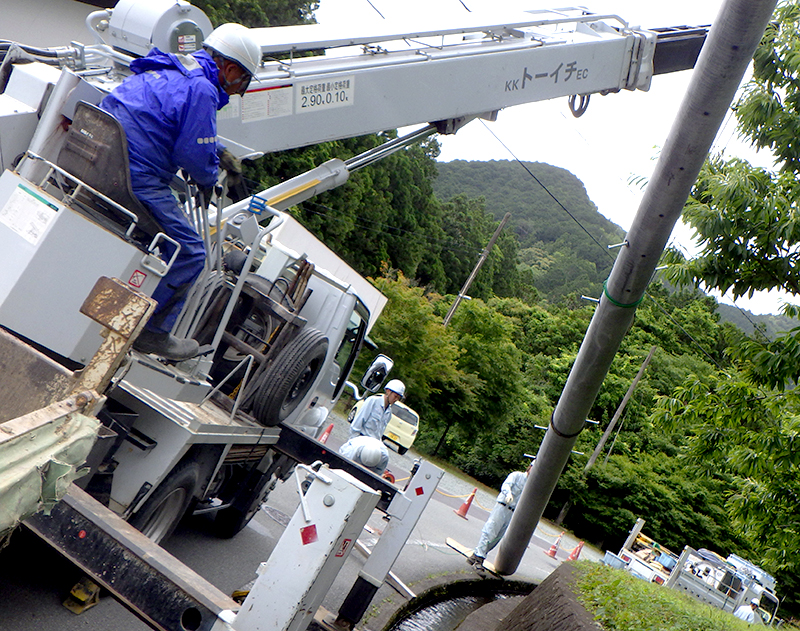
(475, 561)
(166, 345)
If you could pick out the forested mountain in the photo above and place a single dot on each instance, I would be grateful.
(562, 257)
(770, 324)
(551, 215)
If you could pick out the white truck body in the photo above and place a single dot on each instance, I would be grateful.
(722, 583)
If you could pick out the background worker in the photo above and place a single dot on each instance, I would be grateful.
(748, 612)
(168, 109)
(495, 527)
(368, 452)
(373, 417)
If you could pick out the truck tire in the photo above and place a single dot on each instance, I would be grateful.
(252, 327)
(230, 521)
(290, 377)
(164, 509)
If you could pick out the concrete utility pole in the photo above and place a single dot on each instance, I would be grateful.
(601, 443)
(478, 265)
(728, 50)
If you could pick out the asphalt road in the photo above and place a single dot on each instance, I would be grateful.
(35, 579)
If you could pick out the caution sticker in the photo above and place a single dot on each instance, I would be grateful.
(137, 279)
(28, 214)
(343, 548)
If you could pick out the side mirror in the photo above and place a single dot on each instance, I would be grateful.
(376, 373)
(353, 390)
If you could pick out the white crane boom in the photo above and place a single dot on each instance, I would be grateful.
(440, 74)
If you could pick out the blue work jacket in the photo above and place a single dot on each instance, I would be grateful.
(168, 109)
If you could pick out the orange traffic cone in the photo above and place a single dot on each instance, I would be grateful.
(573, 556)
(554, 548)
(462, 510)
(324, 438)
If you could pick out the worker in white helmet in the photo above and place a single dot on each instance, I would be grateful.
(368, 452)
(748, 612)
(374, 415)
(168, 109)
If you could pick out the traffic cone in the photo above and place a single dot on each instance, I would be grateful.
(573, 556)
(324, 438)
(554, 548)
(462, 510)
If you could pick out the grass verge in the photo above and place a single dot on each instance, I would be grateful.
(620, 602)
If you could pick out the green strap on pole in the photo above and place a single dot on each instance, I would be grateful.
(617, 303)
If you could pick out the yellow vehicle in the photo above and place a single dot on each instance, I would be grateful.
(402, 427)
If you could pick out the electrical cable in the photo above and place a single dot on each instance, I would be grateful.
(32, 50)
(547, 190)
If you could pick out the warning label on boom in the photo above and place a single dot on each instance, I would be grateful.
(317, 95)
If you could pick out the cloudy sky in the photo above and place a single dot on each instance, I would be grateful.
(617, 139)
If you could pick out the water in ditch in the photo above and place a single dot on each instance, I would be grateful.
(450, 605)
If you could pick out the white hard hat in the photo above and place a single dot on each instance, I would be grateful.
(371, 453)
(754, 601)
(234, 42)
(395, 385)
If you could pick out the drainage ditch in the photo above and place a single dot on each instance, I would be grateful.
(445, 607)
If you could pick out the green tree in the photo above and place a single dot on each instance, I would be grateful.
(257, 13)
(743, 422)
(426, 355)
(746, 217)
(384, 214)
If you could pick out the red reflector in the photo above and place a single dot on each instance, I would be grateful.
(659, 580)
(419, 490)
(309, 534)
(81, 534)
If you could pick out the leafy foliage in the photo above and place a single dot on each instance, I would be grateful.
(410, 329)
(612, 496)
(741, 423)
(748, 222)
(257, 13)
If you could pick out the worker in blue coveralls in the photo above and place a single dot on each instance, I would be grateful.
(168, 109)
(495, 527)
(374, 415)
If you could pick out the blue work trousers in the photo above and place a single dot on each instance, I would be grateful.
(172, 290)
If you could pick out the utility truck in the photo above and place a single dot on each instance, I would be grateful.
(281, 319)
(724, 583)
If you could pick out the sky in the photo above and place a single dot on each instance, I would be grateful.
(617, 139)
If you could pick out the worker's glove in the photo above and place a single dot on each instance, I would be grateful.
(231, 165)
(204, 195)
(237, 187)
(508, 499)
